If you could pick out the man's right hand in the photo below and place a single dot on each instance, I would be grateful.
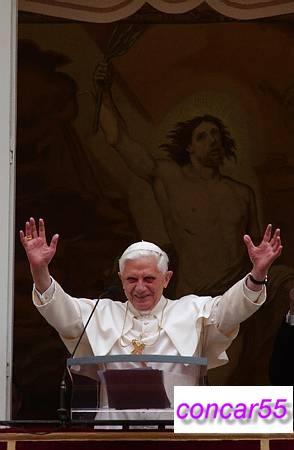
(39, 253)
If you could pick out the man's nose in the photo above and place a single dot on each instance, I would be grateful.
(140, 285)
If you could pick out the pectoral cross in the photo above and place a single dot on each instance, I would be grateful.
(138, 347)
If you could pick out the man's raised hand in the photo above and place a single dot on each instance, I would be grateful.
(263, 255)
(34, 241)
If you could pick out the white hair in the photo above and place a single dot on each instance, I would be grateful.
(143, 249)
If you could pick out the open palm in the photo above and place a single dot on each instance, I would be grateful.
(34, 241)
(263, 255)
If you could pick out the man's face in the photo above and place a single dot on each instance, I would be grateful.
(143, 282)
(206, 145)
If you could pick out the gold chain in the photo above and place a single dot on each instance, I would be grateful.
(138, 344)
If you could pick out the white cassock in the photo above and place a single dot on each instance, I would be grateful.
(190, 326)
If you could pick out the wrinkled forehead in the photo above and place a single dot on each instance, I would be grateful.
(143, 264)
(141, 261)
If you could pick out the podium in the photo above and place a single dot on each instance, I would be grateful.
(129, 389)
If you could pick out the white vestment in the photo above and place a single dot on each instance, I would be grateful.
(190, 326)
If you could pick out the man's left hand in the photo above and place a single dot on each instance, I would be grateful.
(263, 255)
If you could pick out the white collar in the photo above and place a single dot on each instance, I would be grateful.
(156, 311)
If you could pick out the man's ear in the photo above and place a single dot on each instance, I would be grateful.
(119, 275)
(168, 276)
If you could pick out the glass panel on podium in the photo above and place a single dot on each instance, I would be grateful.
(130, 388)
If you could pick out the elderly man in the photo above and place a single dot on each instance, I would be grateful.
(148, 322)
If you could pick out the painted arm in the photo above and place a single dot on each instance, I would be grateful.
(116, 132)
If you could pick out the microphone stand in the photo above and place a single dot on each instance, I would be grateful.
(63, 410)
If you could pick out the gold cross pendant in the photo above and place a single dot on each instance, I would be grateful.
(138, 347)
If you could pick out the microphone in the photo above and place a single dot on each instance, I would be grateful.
(64, 403)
